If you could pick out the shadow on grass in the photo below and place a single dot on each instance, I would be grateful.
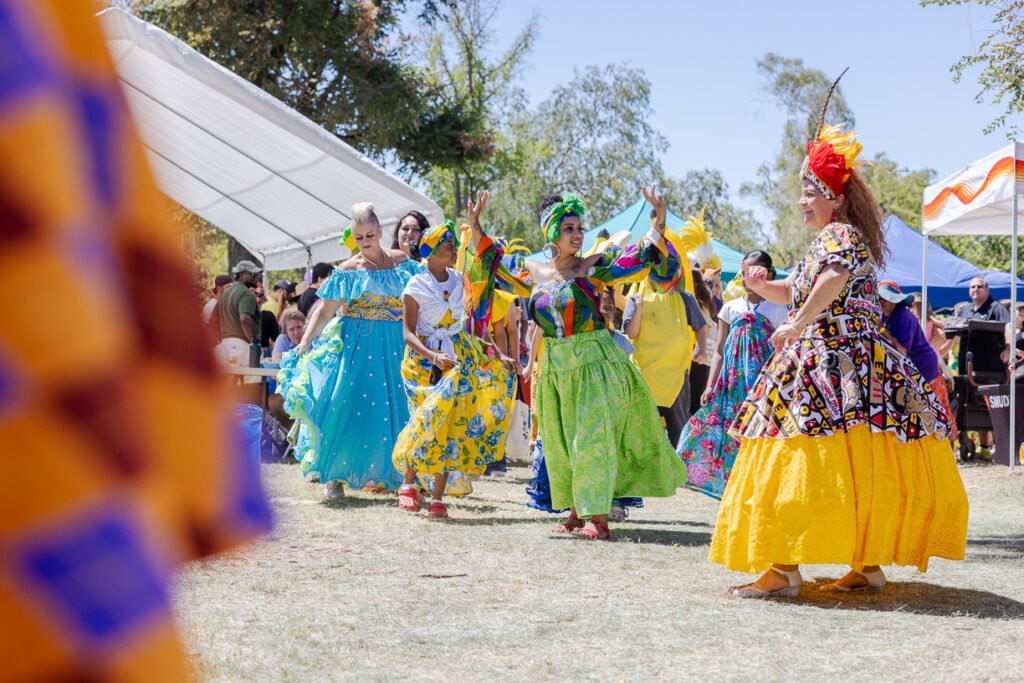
(690, 539)
(456, 520)
(351, 502)
(1012, 545)
(912, 597)
(669, 522)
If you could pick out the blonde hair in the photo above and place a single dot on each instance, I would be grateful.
(363, 213)
(290, 314)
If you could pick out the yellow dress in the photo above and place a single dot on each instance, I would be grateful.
(843, 456)
(663, 350)
(459, 424)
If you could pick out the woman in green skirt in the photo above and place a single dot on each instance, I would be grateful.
(603, 438)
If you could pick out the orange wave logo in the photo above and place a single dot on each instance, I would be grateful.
(967, 193)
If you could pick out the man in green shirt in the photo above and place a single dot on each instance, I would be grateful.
(239, 315)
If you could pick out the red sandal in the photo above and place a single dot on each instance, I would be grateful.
(568, 526)
(409, 499)
(603, 533)
(437, 510)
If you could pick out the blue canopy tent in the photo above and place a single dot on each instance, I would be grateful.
(948, 275)
(636, 219)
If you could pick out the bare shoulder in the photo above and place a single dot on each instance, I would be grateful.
(354, 263)
(397, 255)
(540, 272)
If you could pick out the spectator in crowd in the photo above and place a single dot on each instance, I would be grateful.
(986, 349)
(902, 327)
(220, 283)
(409, 232)
(1016, 333)
(239, 315)
(936, 334)
(276, 302)
(293, 324)
(321, 272)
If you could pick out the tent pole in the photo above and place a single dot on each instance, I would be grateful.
(1014, 452)
(924, 281)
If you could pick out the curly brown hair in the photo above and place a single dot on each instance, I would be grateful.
(862, 212)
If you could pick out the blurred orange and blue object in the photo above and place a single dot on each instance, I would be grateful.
(119, 456)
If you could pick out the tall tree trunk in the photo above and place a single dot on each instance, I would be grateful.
(459, 207)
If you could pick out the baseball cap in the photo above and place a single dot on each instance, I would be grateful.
(246, 267)
(891, 292)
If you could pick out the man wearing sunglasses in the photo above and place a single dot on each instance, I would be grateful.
(987, 349)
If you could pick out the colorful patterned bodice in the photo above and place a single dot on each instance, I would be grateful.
(855, 310)
(375, 307)
(562, 309)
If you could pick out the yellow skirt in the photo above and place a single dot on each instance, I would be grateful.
(859, 498)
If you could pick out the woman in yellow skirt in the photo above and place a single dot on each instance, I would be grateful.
(843, 456)
(460, 400)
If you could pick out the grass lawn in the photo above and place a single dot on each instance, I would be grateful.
(363, 591)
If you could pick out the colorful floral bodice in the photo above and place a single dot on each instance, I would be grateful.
(565, 308)
(856, 309)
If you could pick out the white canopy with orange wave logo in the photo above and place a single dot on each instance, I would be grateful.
(978, 199)
(981, 199)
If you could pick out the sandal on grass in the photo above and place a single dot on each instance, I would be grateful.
(568, 526)
(600, 532)
(409, 498)
(437, 510)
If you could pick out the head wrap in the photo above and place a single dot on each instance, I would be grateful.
(433, 238)
(347, 240)
(831, 155)
(551, 218)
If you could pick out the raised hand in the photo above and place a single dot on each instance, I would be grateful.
(476, 208)
(657, 200)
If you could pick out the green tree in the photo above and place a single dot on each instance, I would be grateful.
(707, 188)
(800, 91)
(1001, 60)
(469, 78)
(898, 190)
(591, 136)
(341, 63)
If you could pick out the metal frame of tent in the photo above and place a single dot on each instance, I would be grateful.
(980, 199)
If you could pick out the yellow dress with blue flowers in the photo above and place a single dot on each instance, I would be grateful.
(459, 423)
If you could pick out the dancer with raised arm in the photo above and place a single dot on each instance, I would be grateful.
(603, 437)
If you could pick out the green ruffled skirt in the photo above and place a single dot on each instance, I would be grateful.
(603, 437)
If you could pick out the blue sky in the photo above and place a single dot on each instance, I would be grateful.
(710, 104)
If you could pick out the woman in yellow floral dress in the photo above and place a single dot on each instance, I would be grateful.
(460, 400)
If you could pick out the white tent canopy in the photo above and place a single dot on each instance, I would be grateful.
(257, 169)
(981, 199)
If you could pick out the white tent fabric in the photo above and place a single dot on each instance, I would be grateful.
(981, 199)
(257, 169)
(977, 200)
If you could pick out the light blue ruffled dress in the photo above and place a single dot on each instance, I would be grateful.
(346, 391)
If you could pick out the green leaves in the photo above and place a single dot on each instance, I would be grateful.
(1000, 58)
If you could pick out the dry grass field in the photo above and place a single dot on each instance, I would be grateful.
(363, 591)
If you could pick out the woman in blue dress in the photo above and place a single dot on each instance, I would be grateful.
(347, 391)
